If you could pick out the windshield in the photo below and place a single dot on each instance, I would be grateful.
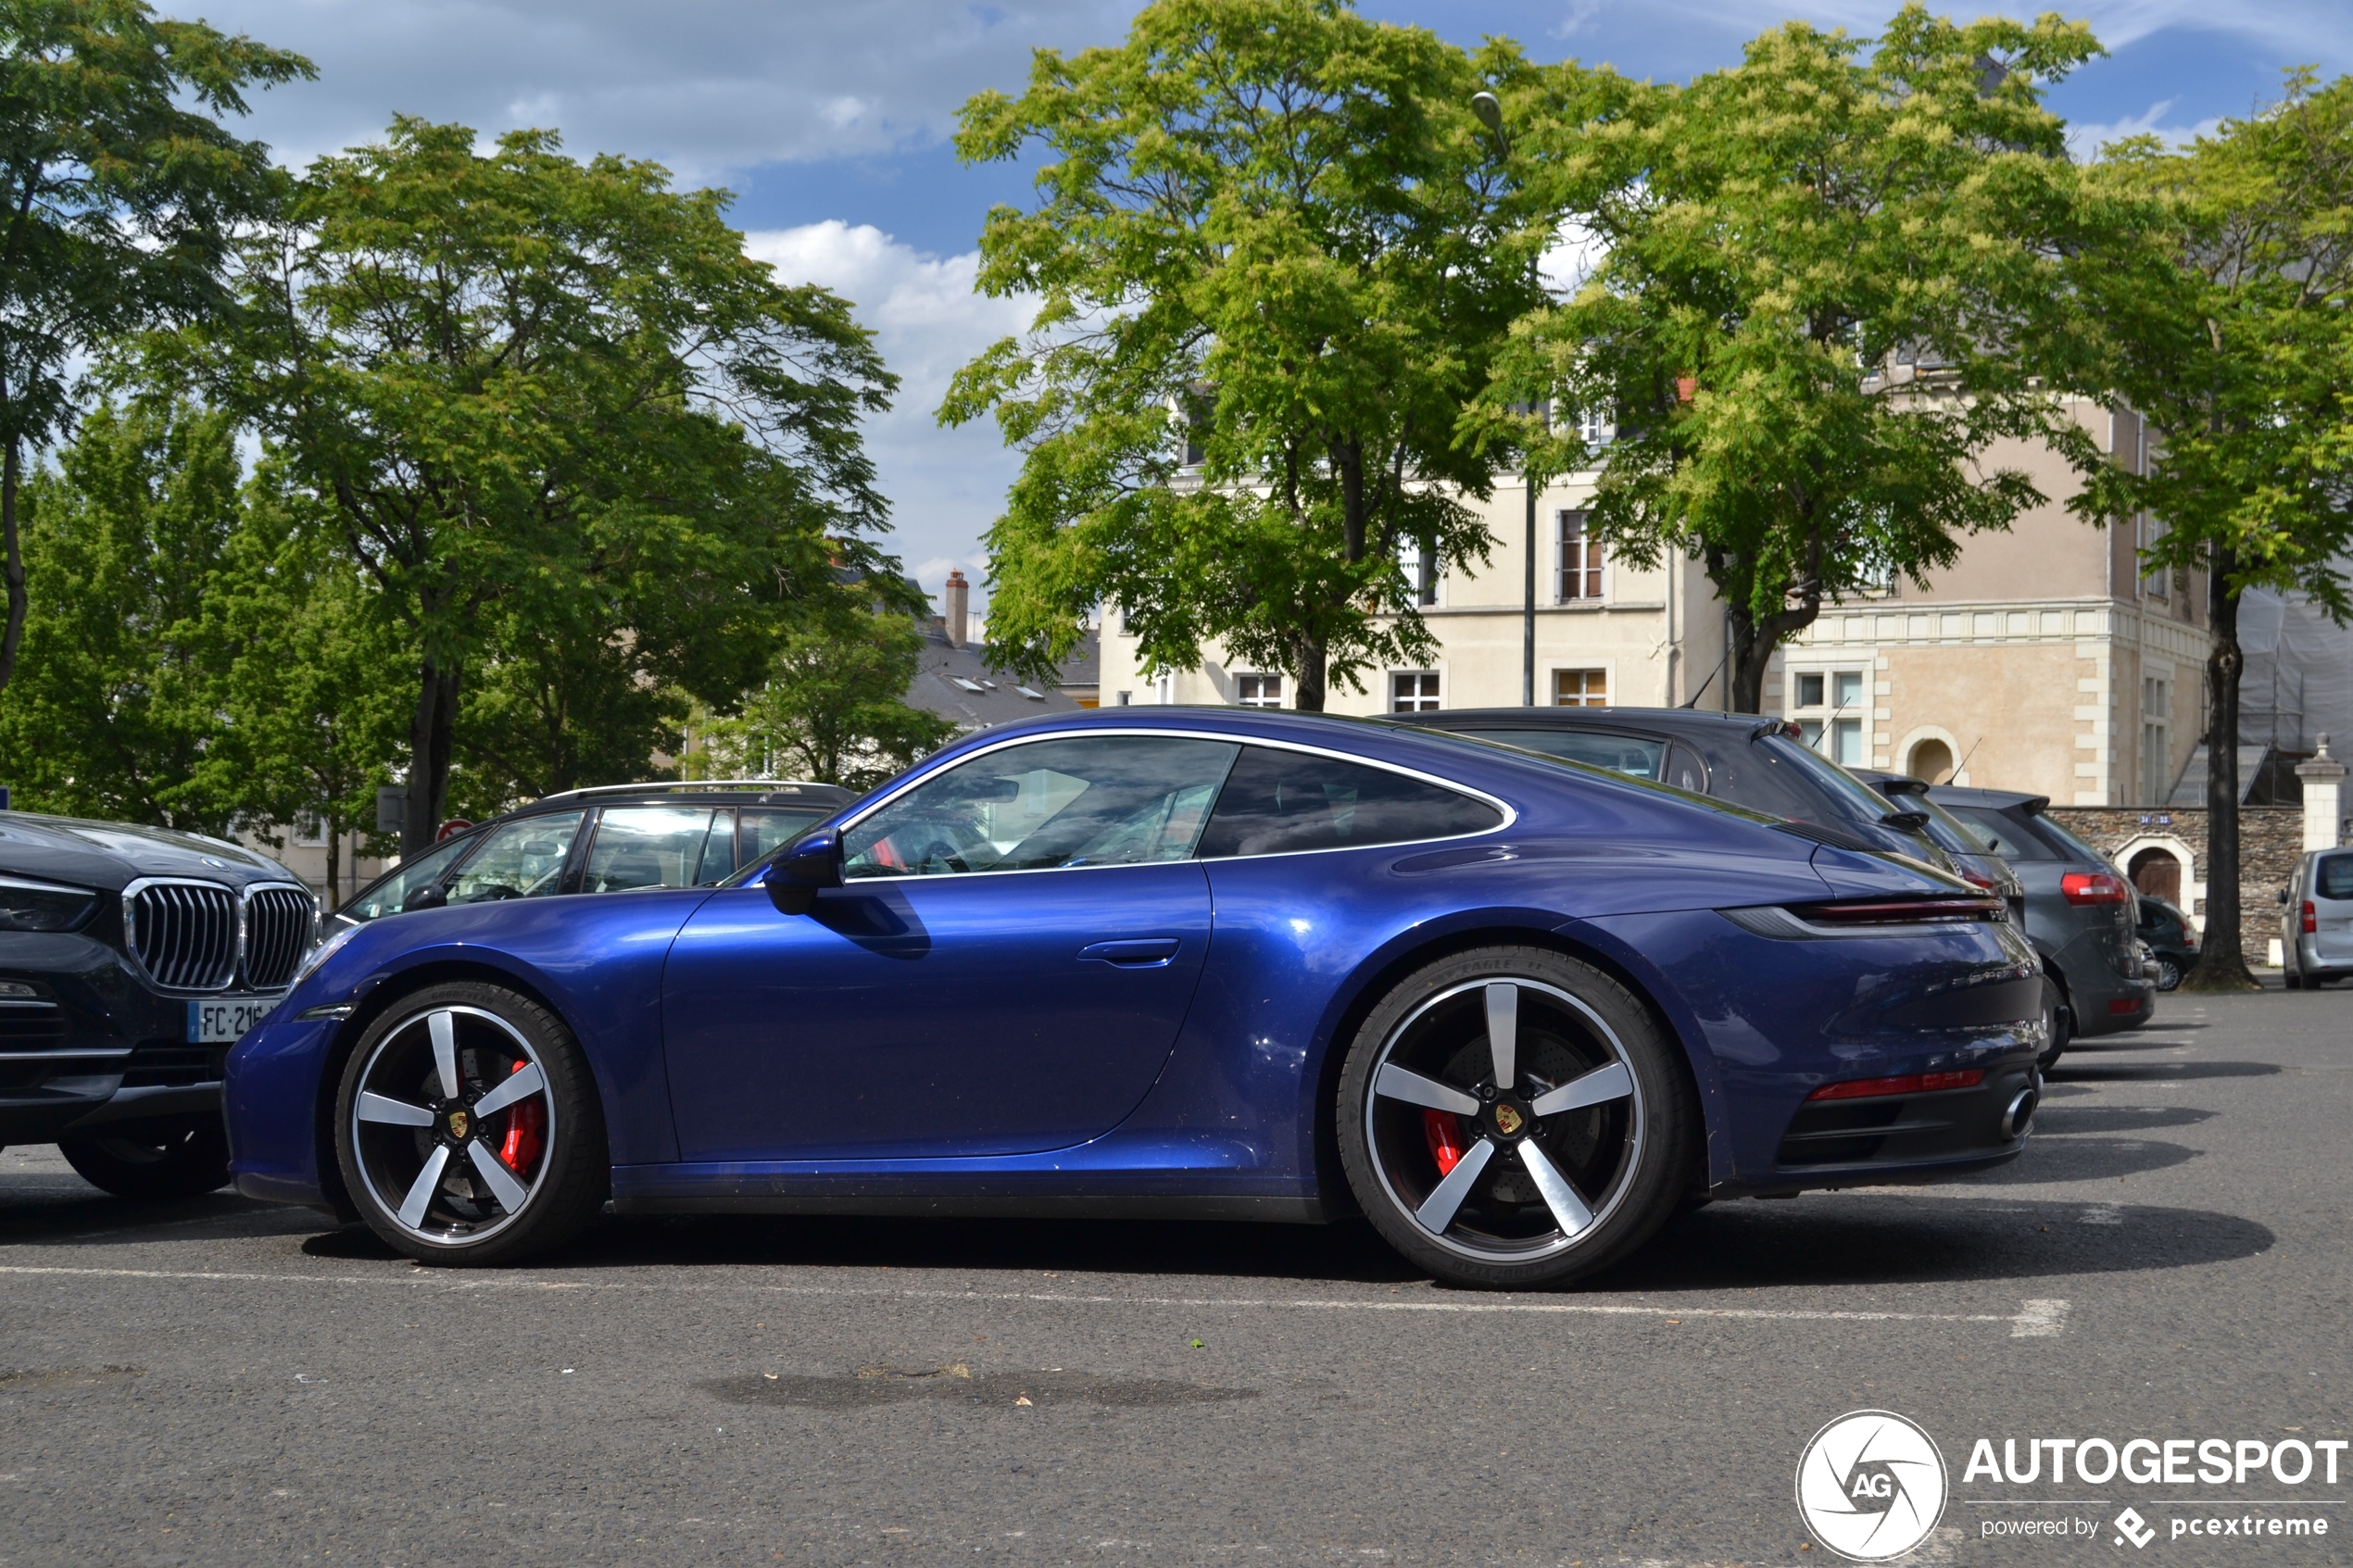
(1944, 830)
(2083, 849)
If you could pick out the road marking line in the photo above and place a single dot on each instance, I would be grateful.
(2040, 1319)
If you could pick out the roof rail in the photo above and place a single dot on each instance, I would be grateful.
(693, 786)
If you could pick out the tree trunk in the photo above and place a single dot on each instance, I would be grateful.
(1313, 660)
(2222, 966)
(1750, 656)
(333, 898)
(431, 731)
(11, 559)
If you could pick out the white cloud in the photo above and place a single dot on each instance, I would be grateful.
(2303, 28)
(2086, 140)
(946, 486)
(706, 86)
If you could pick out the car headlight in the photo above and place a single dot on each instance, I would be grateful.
(321, 954)
(42, 905)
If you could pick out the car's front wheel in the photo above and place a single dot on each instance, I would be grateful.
(467, 1128)
(1512, 1117)
(2168, 975)
(152, 1160)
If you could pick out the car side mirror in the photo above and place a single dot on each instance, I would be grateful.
(810, 863)
(2283, 895)
(431, 896)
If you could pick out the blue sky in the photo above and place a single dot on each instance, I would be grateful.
(831, 121)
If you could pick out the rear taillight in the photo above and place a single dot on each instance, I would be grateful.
(1977, 879)
(2093, 887)
(1900, 911)
(1910, 1084)
(2311, 921)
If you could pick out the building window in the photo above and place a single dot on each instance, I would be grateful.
(1124, 700)
(309, 831)
(1828, 710)
(1420, 563)
(1580, 562)
(1580, 688)
(1413, 693)
(1258, 691)
(2156, 756)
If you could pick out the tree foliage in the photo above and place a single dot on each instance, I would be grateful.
(833, 707)
(118, 195)
(569, 429)
(1834, 278)
(1272, 230)
(2238, 345)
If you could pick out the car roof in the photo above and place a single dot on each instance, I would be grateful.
(770, 792)
(1672, 721)
(1997, 799)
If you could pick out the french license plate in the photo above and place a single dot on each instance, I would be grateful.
(219, 1023)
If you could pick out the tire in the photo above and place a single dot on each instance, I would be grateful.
(2168, 975)
(2290, 979)
(443, 1179)
(1419, 1105)
(2058, 1020)
(149, 1161)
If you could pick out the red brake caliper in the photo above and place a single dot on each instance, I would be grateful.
(1444, 1130)
(526, 1127)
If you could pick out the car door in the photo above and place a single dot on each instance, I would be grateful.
(1003, 971)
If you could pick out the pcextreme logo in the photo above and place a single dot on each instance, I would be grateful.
(1871, 1485)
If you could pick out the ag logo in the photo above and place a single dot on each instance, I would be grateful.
(1871, 1485)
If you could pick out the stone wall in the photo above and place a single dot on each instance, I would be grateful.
(2270, 839)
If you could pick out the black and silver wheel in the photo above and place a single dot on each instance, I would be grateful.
(467, 1128)
(2059, 1024)
(1511, 1117)
(150, 1161)
(2168, 975)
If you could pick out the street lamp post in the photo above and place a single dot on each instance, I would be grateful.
(1489, 110)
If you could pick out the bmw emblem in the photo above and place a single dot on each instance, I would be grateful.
(217, 865)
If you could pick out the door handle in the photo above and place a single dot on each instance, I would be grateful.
(1141, 952)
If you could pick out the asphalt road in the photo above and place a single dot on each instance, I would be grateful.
(221, 1382)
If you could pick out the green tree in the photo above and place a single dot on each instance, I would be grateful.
(118, 194)
(833, 707)
(2239, 348)
(1274, 229)
(314, 692)
(1832, 280)
(544, 398)
(117, 708)
(556, 708)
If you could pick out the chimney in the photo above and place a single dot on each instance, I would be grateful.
(957, 603)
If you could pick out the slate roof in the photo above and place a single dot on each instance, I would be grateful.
(957, 684)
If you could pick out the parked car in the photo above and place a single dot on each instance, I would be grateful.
(1515, 1010)
(1762, 764)
(2172, 941)
(2080, 911)
(130, 957)
(1976, 863)
(2316, 919)
(618, 838)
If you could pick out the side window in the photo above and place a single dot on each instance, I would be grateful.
(719, 850)
(766, 828)
(1102, 800)
(647, 846)
(1684, 769)
(1279, 802)
(1619, 754)
(523, 860)
(2002, 836)
(386, 897)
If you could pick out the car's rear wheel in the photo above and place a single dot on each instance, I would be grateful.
(151, 1160)
(467, 1128)
(2168, 975)
(1512, 1117)
(2059, 1024)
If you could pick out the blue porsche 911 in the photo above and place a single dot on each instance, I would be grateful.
(1181, 962)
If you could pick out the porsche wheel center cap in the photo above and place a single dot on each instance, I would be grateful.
(459, 1125)
(1508, 1120)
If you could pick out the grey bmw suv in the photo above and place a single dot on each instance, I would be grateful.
(2080, 913)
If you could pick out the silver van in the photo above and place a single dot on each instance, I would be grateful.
(2316, 919)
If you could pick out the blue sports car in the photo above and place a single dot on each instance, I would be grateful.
(1173, 962)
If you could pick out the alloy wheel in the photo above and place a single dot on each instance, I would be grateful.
(1505, 1117)
(453, 1124)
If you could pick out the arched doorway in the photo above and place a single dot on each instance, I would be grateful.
(2157, 875)
(1931, 760)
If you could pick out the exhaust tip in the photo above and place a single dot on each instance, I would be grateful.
(2019, 1116)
